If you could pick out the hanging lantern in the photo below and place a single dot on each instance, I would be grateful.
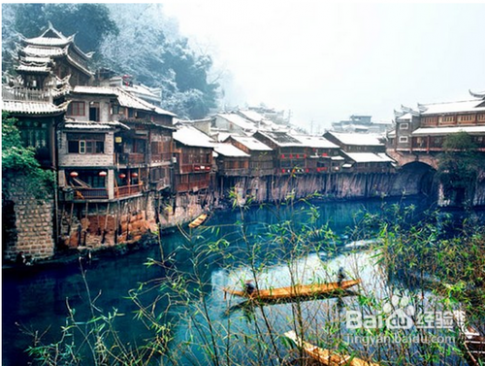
(74, 174)
(103, 174)
(134, 175)
(122, 176)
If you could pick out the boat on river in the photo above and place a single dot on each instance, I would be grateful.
(471, 341)
(291, 292)
(325, 356)
(198, 221)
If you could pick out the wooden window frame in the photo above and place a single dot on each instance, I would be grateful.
(76, 110)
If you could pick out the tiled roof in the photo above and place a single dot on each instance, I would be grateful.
(230, 150)
(34, 108)
(281, 138)
(80, 66)
(238, 121)
(41, 60)
(448, 130)
(405, 117)
(48, 41)
(317, 142)
(124, 98)
(191, 136)
(96, 90)
(251, 143)
(252, 115)
(35, 51)
(453, 107)
(92, 125)
(360, 139)
(31, 68)
(366, 157)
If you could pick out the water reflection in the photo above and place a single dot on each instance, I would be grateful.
(37, 301)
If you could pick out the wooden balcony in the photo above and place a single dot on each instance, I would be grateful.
(90, 193)
(124, 191)
(29, 94)
(131, 159)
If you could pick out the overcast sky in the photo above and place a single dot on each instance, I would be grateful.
(328, 61)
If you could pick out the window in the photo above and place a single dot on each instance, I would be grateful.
(76, 109)
(94, 111)
(446, 119)
(481, 117)
(403, 139)
(33, 134)
(466, 118)
(429, 120)
(404, 126)
(79, 143)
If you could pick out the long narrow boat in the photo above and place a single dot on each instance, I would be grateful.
(294, 291)
(198, 221)
(471, 341)
(325, 356)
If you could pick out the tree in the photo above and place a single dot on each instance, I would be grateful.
(90, 22)
(458, 167)
(19, 161)
(150, 48)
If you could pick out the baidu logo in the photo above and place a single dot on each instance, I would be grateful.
(399, 313)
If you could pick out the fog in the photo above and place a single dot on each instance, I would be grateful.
(325, 62)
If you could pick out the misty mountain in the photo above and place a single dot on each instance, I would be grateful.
(134, 39)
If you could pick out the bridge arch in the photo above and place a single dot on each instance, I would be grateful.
(416, 177)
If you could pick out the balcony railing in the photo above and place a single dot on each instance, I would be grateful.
(129, 190)
(21, 93)
(163, 157)
(131, 158)
(90, 193)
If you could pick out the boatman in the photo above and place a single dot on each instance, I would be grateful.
(249, 287)
(340, 276)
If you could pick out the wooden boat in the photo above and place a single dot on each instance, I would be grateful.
(471, 341)
(325, 356)
(198, 221)
(294, 291)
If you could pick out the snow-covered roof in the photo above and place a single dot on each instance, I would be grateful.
(222, 136)
(251, 143)
(453, 107)
(93, 125)
(366, 157)
(190, 136)
(448, 130)
(97, 90)
(33, 68)
(361, 139)
(44, 51)
(48, 41)
(238, 121)
(124, 98)
(405, 117)
(40, 60)
(230, 151)
(252, 115)
(29, 107)
(281, 138)
(144, 91)
(317, 142)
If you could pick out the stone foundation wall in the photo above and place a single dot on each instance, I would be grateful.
(30, 222)
(97, 224)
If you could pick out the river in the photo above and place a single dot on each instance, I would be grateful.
(36, 302)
